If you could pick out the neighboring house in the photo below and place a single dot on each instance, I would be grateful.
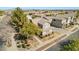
(63, 21)
(57, 22)
(45, 27)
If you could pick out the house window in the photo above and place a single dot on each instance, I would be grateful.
(54, 20)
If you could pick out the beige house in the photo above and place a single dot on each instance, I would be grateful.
(45, 26)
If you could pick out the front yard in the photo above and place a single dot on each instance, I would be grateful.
(51, 36)
(27, 44)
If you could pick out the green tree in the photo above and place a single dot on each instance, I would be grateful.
(30, 29)
(72, 45)
(18, 19)
(22, 25)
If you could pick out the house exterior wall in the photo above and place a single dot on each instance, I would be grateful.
(71, 20)
(56, 23)
(46, 29)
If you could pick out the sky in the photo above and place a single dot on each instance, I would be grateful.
(42, 8)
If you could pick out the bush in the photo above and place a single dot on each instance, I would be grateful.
(71, 45)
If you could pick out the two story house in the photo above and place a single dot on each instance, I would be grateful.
(45, 26)
(63, 21)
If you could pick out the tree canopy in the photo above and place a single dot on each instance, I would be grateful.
(71, 45)
(22, 25)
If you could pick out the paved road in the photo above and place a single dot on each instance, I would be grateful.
(57, 46)
(6, 31)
